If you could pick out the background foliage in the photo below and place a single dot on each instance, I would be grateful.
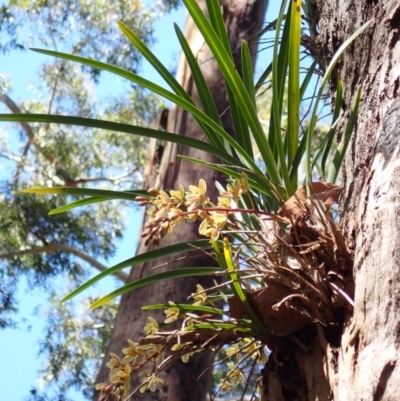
(47, 250)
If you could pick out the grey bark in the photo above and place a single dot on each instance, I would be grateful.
(243, 19)
(362, 362)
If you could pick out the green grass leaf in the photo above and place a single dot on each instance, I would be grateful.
(220, 326)
(168, 78)
(292, 130)
(203, 90)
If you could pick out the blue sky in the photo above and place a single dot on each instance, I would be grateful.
(19, 347)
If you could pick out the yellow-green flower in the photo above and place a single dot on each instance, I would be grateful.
(114, 364)
(162, 205)
(234, 191)
(225, 386)
(150, 381)
(249, 347)
(232, 350)
(179, 346)
(212, 224)
(196, 195)
(224, 202)
(235, 374)
(200, 296)
(177, 197)
(132, 352)
(191, 217)
(172, 313)
(100, 386)
(151, 327)
(123, 376)
(244, 183)
(154, 351)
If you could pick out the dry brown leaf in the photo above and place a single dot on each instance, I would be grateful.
(284, 321)
(236, 308)
(327, 193)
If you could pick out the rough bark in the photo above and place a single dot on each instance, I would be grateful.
(362, 361)
(183, 381)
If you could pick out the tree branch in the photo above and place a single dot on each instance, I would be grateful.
(56, 247)
(31, 135)
(113, 180)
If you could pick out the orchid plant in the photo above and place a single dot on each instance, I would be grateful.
(257, 247)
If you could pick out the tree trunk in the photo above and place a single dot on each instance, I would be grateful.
(362, 361)
(183, 381)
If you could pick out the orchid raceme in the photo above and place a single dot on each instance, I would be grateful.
(167, 210)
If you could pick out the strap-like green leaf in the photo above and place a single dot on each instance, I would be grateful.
(127, 128)
(178, 273)
(186, 307)
(235, 84)
(247, 72)
(292, 131)
(279, 68)
(154, 61)
(341, 152)
(307, 78)
(178, 100)
(237, 288)
(332, 131)
(79, 203)
(258, 182)
(219, 326)
(203, 90)
(145, 257)
(104, 193)
(218, 24)
(313, 119)
(167, 76)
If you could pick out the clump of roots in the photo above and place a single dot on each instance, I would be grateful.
(306, 268)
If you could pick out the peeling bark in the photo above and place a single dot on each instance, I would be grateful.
(183, 381)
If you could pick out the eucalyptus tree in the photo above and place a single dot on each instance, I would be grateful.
(295, 292)
(41, 247)
(360, 361)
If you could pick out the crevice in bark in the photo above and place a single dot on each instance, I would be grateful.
(282, 374)
(383, 380)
